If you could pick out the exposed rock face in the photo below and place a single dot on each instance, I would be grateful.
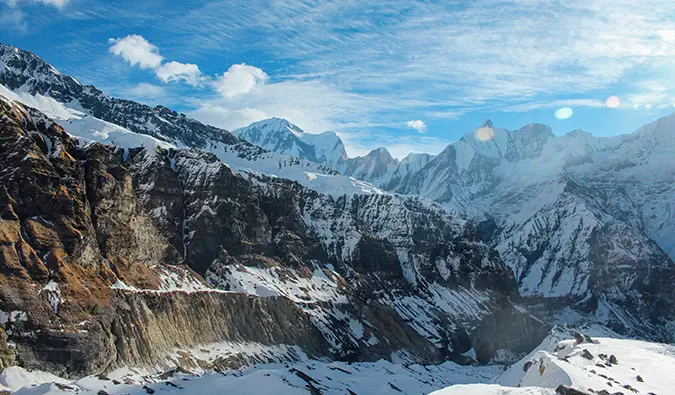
(147, 325)
(568, 209)
(7, 356)
(71, 227)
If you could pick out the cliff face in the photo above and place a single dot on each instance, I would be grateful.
(113, 257)
(70, 228)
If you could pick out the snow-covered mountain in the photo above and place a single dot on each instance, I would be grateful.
(567, 362)
(378, 167)
(567, 213)
(279, 135)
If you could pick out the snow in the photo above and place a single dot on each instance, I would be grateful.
(643, 366)
(491, 389)
(13, 316)
(279, 281)
(330, 378)
(53, 293)
(14, 378)
(286, 370)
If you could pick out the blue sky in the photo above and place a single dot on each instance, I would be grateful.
(408, 75)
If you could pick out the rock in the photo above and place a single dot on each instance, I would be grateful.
(640, 379)
(613, 360)
(565, 390)
(148, 390)
(7, 354)
(581, 338)
(527, 366)
(101, 392)
(586, 354)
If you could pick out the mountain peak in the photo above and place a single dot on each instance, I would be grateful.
(486, 123)
(381, 151)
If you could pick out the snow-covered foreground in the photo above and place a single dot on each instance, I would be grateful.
(381, 377)
(593, 365)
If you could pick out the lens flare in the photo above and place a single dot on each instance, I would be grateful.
(563, 113)
(613, 102)
(484, 133)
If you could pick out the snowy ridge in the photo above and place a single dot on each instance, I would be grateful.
(243, 158)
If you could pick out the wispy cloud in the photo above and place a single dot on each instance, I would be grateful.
(55, 3)
(443, 59)
(14, 17)
(365, 64)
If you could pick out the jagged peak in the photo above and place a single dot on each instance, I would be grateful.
(381, 151)
(274, 123)
(578, 133)
(537, 129)
(486, 123)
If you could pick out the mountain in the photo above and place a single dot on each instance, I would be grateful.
(279, 135)
(109, 249)
(135, 236)
(573, 216)
(378, 167)
(571, 212)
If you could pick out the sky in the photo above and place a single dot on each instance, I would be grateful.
(412, 76)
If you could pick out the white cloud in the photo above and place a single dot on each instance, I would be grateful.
(146, 90)
(137, 51)
(176, 71)
(240, 79)
(418, 125)
(55, 3)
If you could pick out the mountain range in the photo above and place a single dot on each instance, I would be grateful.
(136, 233)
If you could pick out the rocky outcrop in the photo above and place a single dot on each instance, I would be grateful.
(7, 354)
